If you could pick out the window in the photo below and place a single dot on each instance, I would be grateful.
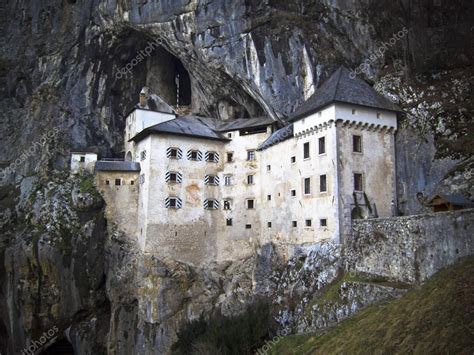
(358, 183)
(323, 222)
(195, 155)
(174, 153)
(269, 224)
(143, 155)
(173, 202)
(118, 182)
(248, 226)
(269, 197)
(357, 144)
(250, 179)
(269, 167)
(173, 176)
(306, 150)
(228, 222)
(212, 157)
(379, 115)
(250, 204)
(293, 160)
(322, 183)
(322, 145)
(250, 154)
(82, 159)
(227, 204)
(354, 111)
(307, 186)
(227, 180)
(229, 135)
(293, 193)
(132, 182)
(294, 224)
(308, 222)
(211, 204)
(107, 182)
(211, 180)
(230, 157)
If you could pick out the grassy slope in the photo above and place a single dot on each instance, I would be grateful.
(436, 318)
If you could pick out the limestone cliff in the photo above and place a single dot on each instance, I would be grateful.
(72, 69)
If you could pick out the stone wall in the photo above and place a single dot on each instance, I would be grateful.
(412, 248)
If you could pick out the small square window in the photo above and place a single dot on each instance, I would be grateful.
(250, 154)
(269, 224)
(269, 167)
(250, 180)
(132, 182)
(358, 183)
(250, 204)
(82, 159)
(323, 222)
(308, 223)
(293, 193)
(294, 224)
(172, 203)
(228, 222)
(229, 135)
(293, 160)
(173, 177)
(230, 157)
(227, 204)
(306, 150)
(357, 144)
(211, 180)
(227, 180)
(354, 111)
(118, 182)
(193, 155)
(107, 182)
(323, 183)
(269, 197)
(173, 153)
(379, 115)
(248, 226)
(212, 157)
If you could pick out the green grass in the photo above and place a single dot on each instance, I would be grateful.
(436, 318)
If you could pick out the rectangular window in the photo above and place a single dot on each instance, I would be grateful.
(358, 183)
(357, 144)
(293, 193)
(173, 153)
(269, 197)
(107, 182)
(211, 180)
(250, 204)
(227, 180)
(173, 202)
(322, 145)
(307, 186)
(250, 180)
(322, 183)
(308, 222)
(118, 182)
(248, 226)
(250, 154)
(293, 160)
(227, 204)
(269, 224)
(294, 224)
(82, 159)
(211, 204)
(379, 115)
(306, 150)
(228, 222)
(269, 167)
(173, 176)
(323, 222)
(230, 157)
(212, 157)
(194, 155)
(354, 111)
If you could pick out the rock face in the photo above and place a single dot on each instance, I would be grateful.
(71, 71)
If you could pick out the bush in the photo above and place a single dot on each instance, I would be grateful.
(240, 334)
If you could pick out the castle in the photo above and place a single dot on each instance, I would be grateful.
(200, 189)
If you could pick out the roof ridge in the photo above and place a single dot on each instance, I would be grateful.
(337, 81)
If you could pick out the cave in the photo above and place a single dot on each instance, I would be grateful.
(60, 347)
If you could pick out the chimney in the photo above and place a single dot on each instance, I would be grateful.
(143, 97)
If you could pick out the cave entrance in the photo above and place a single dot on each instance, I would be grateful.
(168, 78)
(60, 347)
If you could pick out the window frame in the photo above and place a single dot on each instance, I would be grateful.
(250, 177)
(359, 137)
(310, 225)
(247, 201)
(361, 181)
(322, 139)
(325, 183)
(321, 220)
(306, 145)
(251, 154)
(307, 179)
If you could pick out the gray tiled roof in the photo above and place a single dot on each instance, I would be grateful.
(203, 127)
(342, 87)
(107, 165)
(278, 136)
